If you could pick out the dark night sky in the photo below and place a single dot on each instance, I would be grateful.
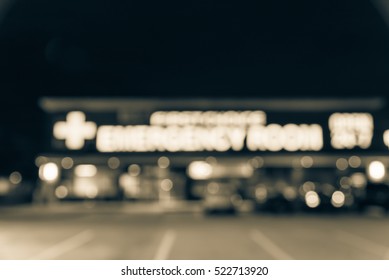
(182, 48)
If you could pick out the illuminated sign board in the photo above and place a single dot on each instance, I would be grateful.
(141, 138)
(350, 130)
(160, 129)
(75, 130)
(192, 131)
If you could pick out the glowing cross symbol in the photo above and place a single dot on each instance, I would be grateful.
(75, 130)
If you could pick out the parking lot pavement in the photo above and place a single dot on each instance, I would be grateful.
(119, 235)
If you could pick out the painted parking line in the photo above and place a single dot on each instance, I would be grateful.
(269, 246)
(165, 246)
(363, 244)
(65, 246)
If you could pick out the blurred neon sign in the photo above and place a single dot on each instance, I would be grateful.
(208, 118)
(192, 131)
(273, 137)
(75, 130)
(350, 130)
(290, 137)
(143, 138)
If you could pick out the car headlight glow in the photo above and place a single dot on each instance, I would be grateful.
(338, 199)
(312, 199)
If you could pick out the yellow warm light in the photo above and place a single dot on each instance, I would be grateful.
(358, 180)
(163, 162)
(312, 199)
(49, 172)
(341, 164)
(306, 161)
(200, 170)
(355, 161)
(376, 171)
(134, 170)
(61, 191)
(338, 199)
(85, 170)
(261, 193)
(15, 177)
(166, 185)
(67, 163)
(113, 162)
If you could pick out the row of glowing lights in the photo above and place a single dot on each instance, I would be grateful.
(307, 191)
(125, 181)
(62, 191)
(201, 170)
(312, 199)
(376, 171)
(196, 170)
(49, 171)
